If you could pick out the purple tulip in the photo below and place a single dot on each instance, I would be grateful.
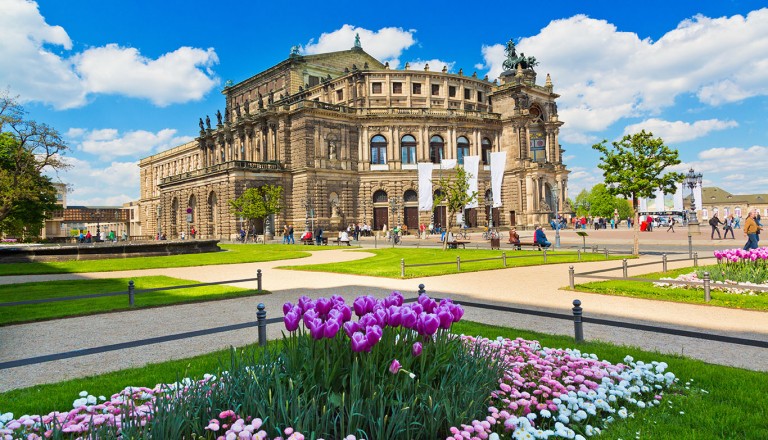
(368, 320)
(346, 312)
(373, 334)
(305, 303)
(359, 342)
(359, 305)
(394, 316)
(291, 321)
(351, 327)
(418, 308)
(408, 317)
(430, 323)
(334, 314)
(317, 329)
(394, 299)
(457, 312)
(310, 315)
(445, 317)
(287, 308)
(337, 299)
(323, 306)
(395, 366)
(416, 349)
(381, 317)
(331, 328)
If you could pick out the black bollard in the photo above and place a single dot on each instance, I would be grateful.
(578, 328)
(258, 279)
(421, 290)
(130, 293)
(261, 317)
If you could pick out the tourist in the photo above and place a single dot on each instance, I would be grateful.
(344, 238)
(193, 232)
(88, 237)
(81, 237)
(242, 235)
(714, 222)
(728, 227)
(319, 235)
(514, 238)
(125, 236)
(671, 224)
(183, 236)
(540, 238)
(285, 234)
(291, 240)
(751, 229)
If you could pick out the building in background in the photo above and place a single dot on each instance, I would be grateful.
(343, 133)
(717, 200)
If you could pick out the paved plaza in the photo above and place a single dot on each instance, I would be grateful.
(536, 287)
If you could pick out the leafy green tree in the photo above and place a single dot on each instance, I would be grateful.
(454, 195)
(601, 202)
(582, 203)
(27, 149)
(635, 167)
(258, 203)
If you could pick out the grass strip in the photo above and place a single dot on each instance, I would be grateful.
(236, 253)
(91, 306)
(718, 402)
(638, 289)
(386, 262)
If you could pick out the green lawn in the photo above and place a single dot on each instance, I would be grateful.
(693, 296)
(234, 253)
(719, 402)
(386, 262)
(90, 306)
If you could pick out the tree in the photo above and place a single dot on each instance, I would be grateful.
(634, 167)
(258, 203)
(27, 149)
(582, 203)
(453, 192)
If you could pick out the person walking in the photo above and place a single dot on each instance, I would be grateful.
(714, 222)
(729, 223)
(671, 224)
(291, 240)
(751, 229)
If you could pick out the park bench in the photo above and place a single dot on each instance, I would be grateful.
(308, 241)
(519, 246)
(339, 242)
(456, 243)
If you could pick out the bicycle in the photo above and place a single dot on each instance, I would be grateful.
(463, 234)
(487, 235)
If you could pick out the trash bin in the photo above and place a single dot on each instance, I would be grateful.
(495, 243)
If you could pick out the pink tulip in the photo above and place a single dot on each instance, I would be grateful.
(394, 367)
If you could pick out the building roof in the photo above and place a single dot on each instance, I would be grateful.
(712, 195)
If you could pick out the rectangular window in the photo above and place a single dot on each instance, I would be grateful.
(376, 87)
(537, 148)
(339, 95)
(379, 155)
(435, 89)
(460, 153)
(397, 87)
(479, 96)
(452, 91)
(486, 154)
(416, 89)
(408, 154)
(467, 94)
(314, 80)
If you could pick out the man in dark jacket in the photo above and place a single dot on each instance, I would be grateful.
(714, 222)
(319, 236)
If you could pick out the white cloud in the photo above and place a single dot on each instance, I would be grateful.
(108, 143)
(736, 170)
(435, 65)
(679, 131)
(605, 75)
(386, 44)
(66, 80)
(110, 185)
(582, 178)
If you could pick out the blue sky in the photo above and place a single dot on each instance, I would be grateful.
(123, 80)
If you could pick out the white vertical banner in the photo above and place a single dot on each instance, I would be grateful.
(448, 164)
(697, 196)
(471, 166)
(425, 186)
(678, 200)
(660, 200)
(642, 204)
(498, 163)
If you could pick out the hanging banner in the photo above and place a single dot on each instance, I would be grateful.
(498, 163)
(472, 167)
(660, 200)
(678, 199)
(425, 186)
(642, 204)
(448, 164)
(697, 196)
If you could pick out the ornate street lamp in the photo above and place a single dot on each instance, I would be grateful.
(692, 180)
(556, 190)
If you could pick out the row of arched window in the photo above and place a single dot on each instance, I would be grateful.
(436, 149)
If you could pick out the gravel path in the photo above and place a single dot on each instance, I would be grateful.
(535, 287)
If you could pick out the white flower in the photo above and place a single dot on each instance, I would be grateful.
(83, 393)
(493, 436)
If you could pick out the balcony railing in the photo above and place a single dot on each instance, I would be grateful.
(434, 112)
(221, 167)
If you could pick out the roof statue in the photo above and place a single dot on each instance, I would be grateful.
(357, 41)
(218, 117)
(294, 51)
(513, 59)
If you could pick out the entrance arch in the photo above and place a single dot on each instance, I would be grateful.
(380, 209)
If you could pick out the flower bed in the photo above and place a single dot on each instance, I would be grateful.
(395, 372)
(736, 270)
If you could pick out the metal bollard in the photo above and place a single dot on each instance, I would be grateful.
(690, 246)
(578, 326)
(402, 268)
(504, 259)
(624, 267)
(664, 263)
(545, 256)
(707, 295)
(578, 253)
(421, 290)
(571, 277)
(606, 253)
(261, 317)
(130, 293)
(695, 259)
(458, 263)
(258, 279)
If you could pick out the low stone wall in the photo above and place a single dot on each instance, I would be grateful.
(98, 251)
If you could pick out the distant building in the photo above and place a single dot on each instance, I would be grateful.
(342, 133)
(717, 200)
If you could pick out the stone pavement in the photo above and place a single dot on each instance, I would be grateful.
(536, 287)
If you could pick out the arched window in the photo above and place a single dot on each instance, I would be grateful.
(410, 196)
(436, 149)
(462, 149)
(408, 149)
(486, 151)
(378, 150)
(537, 146)
(380, 196)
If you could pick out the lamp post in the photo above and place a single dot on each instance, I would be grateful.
(557, 220)
(692, 180)
(159, 227)
(394, 203)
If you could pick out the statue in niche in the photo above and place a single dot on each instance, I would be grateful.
(201, 125)
(271, 97)
(247, 106)
(544, 206)
(237, 112)
(261, 101)
(332, 150)
(218, 117)
(208, 122)
(335, 212)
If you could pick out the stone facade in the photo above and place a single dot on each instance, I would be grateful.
(717, 200)
(342, 134)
